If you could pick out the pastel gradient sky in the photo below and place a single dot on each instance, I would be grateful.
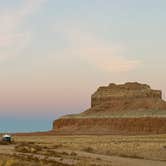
(55, 53)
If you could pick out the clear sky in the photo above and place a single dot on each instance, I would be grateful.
(55, 53)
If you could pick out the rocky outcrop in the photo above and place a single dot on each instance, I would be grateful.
(130, 108)
(128, 91)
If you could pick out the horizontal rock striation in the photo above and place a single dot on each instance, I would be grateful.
(130, 108)
(147, 125)
(128, 91)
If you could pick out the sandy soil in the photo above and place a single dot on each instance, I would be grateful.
(91, 150)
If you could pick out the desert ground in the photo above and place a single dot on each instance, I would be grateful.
(82, 150)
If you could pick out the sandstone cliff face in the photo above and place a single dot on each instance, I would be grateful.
(129, 96)
(130, 108)
(148, 125)
(128, 91)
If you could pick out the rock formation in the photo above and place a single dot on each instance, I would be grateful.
(130, 108)
(128, 91)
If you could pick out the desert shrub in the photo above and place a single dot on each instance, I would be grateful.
(28, 148)
(53, 153)
(22, 149)
(164, 146)
(22, 160)
(57, 146)
(88, 149)
(131, 156)
(73, 154)
(64, 153)
(5, 143)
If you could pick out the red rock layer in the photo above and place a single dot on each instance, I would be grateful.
(147, 125)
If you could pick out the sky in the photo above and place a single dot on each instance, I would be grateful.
(55, 54)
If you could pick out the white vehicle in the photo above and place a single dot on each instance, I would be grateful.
(6, 138)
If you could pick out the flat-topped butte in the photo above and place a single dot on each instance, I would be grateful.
(126, 108)
(124, 91)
